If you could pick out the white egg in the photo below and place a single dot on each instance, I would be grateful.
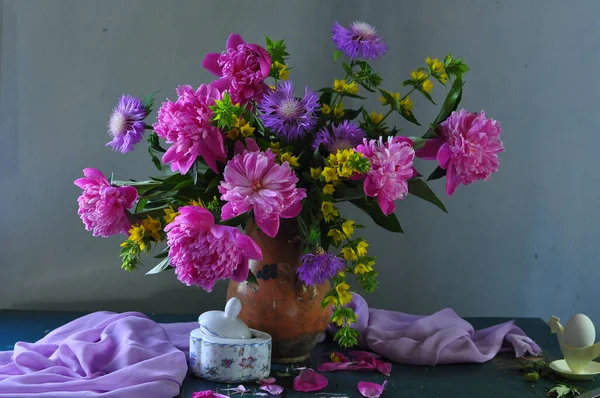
(579, 331)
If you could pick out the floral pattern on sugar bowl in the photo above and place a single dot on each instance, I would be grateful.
(223, 349)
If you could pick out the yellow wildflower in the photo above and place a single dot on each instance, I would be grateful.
(396, 96)
(361, 248)
(329, 211)
(325, 109)
(338, 85)
(375, 117)
(417, 75)
(316, 173)
(336, 234)
(338, 320)
(427, 86)
(437, 66)
(284, 73)
(328, 189)
(272, 87)
(331, 300)
(338, 112)
(290, 158)
(349, 254)
(443, 77)
(170, 215)
(274, 146)
(152, 226)
(341, 274)
(277, 65)
(344, 295)
(345, 170)
(348, 227)
(196, 202)
(245, 128)
(330, 174)
(333, 162)
(407, 105)
(360, 269)
(351, 88)
(342, 155)
(430, 61)
(136, 235)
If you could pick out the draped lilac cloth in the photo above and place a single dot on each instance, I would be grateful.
(440, 338)
(100, 355)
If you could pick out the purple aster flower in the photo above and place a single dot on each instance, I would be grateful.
(126, 123)
(317, 268)
(286, 115)
(360, 41)
(344, 135)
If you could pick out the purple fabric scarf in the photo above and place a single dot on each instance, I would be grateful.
(99, 355)
(440, 338)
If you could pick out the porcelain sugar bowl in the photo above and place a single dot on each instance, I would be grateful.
(224, 349)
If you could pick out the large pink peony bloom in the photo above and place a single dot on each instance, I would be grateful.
(467, 148)
(102, 206)
(391, 168)
(203, 252)
(253, 181)
(242, 67)
(185, 124)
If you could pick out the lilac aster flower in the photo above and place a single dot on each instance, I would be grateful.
(360, 41)
(317, 268)
(344, 135)
(286, 115)
(126, 123)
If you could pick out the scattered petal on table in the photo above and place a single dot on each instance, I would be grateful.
(261, 394)
(268, 380)
(333, 366)
(308, 381)
(338, 357)
(364, 355)
(371, 390)
(237, 390)
(272, 389)
(207, 394)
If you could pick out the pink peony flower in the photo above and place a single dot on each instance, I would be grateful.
(203, 252)
(185, 124)
(102, 206)
(242, 67)
(253, 181)
(391, 168)
(467, 148)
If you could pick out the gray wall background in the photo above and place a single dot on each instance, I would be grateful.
(524, 244)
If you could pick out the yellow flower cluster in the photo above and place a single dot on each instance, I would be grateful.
(284, 72)
(375, 117)
(345, 231)
(363, 267)
(330, 212)
(140, 234)
(290, 158)
(384, 101)
(241, 127)
(338, 111)
(352, 253)
(341, 86)
(419, 77)
(437, 69)
(170, 215)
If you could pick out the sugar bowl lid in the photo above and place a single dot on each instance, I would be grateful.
(225, 324)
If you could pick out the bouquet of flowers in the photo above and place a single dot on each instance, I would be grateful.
(253, 145)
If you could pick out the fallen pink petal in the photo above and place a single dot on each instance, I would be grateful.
(272, 389)
(268, 380)
(338, 357)
(333, 366)
(371, 390)
(308, 380)
(237, 390)
(363, 355)
(207, 394)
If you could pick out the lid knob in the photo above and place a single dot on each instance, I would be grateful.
(233, 307)
(225, 324)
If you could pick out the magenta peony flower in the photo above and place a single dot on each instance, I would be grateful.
(391, 168)
(102, 206)
(467, 148)
(126, 123)
(360, 41)
(288, 116)
(203, 252)
(253, 181)
(344, 135)
(185, 124)
(242, 67)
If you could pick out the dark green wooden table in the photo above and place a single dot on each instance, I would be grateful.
(499, 377)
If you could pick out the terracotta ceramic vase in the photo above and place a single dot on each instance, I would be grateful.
(280, 304)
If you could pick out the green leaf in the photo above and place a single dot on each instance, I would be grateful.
(389, 99)
(336, 55)
(194, 172)
(182, 185)
(347, 69)
(212, 184)
(325, 240)
(365, 86)
(369, 206)
(426, 95)
(327, 90)
(410, 117)
(437, 174)
(160, 267)
(418, 142)
(148, 101)
(351, 114)
(251, 278)
(420, 189)
(354, 96)
(155, 159)
(325, 99)
(451, 102)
